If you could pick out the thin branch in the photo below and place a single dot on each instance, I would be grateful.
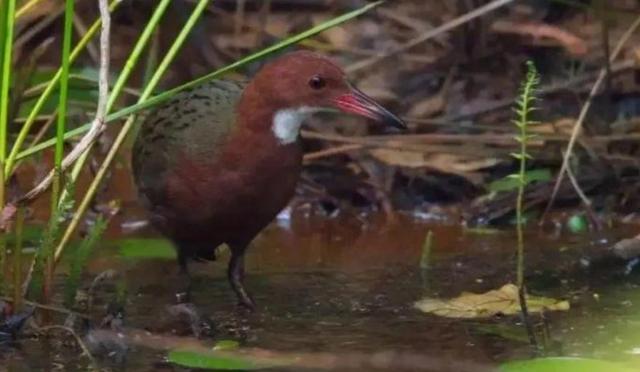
(56, 309)
(429, 35)
(577, 129)
(585, 200)
(81, 29)
(85, 350)
(98, 125)
(332, 151)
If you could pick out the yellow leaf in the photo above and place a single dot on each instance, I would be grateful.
(498, 301)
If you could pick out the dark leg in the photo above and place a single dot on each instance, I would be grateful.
(235, 273)
(183, 295)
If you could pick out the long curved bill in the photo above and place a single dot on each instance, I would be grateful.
(359, 103)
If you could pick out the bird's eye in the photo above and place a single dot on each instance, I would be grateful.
(316, 82)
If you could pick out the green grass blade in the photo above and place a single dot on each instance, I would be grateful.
(130, 64)
(33, 115)
(133, 58)
(5, 78)
(164, 64)
(79, 260)
(8, 7)
(64, 82)
(153, 101)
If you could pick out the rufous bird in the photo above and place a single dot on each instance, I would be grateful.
(217, 163)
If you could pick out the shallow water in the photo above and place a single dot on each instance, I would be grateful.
(348, 285)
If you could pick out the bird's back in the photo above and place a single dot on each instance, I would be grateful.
(194, 124)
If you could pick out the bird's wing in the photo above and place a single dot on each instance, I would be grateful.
(195, 122)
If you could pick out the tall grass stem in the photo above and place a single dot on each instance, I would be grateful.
(162, 97)
(524, 108)
(155, 79)
(33, 114)
(8, 7)
(130, 64)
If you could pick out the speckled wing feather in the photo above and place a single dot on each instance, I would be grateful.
(195, 122)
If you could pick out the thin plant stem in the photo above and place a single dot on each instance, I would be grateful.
(79, 341)
(60, 130)
(33, 114)
(17, 259)
(9, 7)
(163, 97)
(64, 89)
(5, 79)
(25, 8)
(97, 126)
(130, 64)
(577, 128)
(3, 142)
(524, 109)
(155, 79)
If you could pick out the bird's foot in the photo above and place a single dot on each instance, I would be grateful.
(245, 302)
(236, 279)
(183, 294)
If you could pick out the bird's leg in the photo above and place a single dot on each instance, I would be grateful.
(235, 274)
(183, 295)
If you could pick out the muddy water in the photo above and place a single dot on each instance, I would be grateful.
(348, 285)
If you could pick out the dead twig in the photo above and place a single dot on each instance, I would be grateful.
(429, 35)
(544, 90)
(56, 309)
(331, 151)
(577, 129)
(98, 124)
(81, 29)
(585, 200)
(81, 344)
(538, 30)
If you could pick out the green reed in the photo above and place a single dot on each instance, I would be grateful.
(7, 10)
(525, 105)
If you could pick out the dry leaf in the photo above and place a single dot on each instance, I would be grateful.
(448, 163)
(427, 107)
(339, 37)
(498, 301)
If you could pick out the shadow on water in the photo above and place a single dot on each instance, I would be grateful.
(341, 284)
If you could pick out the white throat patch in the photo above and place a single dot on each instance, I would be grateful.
(286, 123)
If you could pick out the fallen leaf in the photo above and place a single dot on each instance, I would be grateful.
(498, 301)
(565, 364)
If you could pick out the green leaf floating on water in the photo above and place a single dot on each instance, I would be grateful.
(226, 361)
(498, 301)
(193, 359)
(146, 248)
(565, 365)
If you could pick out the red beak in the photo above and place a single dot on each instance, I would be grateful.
(359, 103)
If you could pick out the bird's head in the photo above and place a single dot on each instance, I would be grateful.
(301, 83)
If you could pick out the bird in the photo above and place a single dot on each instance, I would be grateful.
(217, 163)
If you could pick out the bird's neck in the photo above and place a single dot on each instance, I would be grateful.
(258, 114)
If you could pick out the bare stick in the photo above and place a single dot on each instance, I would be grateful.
(430, 34)
(584, 198)
(70, 331)
(56, 309)
(331, 151)
(583, 114)
(98, 124)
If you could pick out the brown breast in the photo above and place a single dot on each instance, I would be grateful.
(231, 198)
